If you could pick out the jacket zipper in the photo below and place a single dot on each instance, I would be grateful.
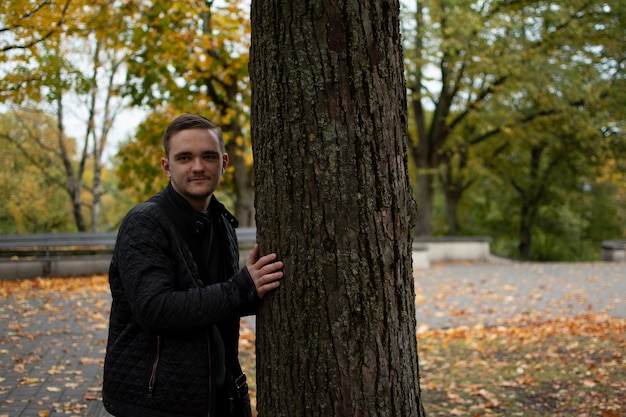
(155, 365)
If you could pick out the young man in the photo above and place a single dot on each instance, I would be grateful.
(177, 291)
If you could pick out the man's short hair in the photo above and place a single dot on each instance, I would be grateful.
(187, 122)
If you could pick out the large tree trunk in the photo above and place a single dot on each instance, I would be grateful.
(455, 182)
(333, 200)
(425, 197)
(73, 180)
(525, 233)
(530, 198)
(244, 202)
(452, 219)
(242, 173)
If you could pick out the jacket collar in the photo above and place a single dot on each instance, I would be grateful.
(216, 209)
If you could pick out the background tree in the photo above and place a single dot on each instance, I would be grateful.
(34, 199)
(469, 64)
(32, 179)
(26, 25)
(75, 66)
(561, 145)
(191, 56)
(333, 200)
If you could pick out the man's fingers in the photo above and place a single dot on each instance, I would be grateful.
(269, 278)
(266, 260)
(271, 267)
(265, 271)
(265, 288)
(253, 255)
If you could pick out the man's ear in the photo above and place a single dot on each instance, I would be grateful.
(224, 162)
(165, 165)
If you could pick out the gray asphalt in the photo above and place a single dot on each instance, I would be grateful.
(450, 295)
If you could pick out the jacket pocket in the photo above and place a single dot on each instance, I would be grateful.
(155, 366)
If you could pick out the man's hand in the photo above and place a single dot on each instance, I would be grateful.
(265, 271)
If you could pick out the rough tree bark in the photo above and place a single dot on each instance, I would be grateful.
(329, 130)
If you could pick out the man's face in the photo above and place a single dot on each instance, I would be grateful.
(195, 165)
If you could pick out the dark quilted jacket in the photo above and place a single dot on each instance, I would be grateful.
(164, 319)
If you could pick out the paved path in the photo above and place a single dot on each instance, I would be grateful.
(488, 294)
(52, 341)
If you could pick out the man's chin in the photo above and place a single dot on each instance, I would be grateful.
(198, 195)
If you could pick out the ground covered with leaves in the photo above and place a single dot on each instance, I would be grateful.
(526, 366)
(571, 366)
(574, 366)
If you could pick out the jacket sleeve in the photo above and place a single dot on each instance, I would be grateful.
(158, 282)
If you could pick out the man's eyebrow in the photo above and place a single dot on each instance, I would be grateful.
(182, 153)
(188, 153)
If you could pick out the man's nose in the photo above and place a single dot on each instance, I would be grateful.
(197, 164)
